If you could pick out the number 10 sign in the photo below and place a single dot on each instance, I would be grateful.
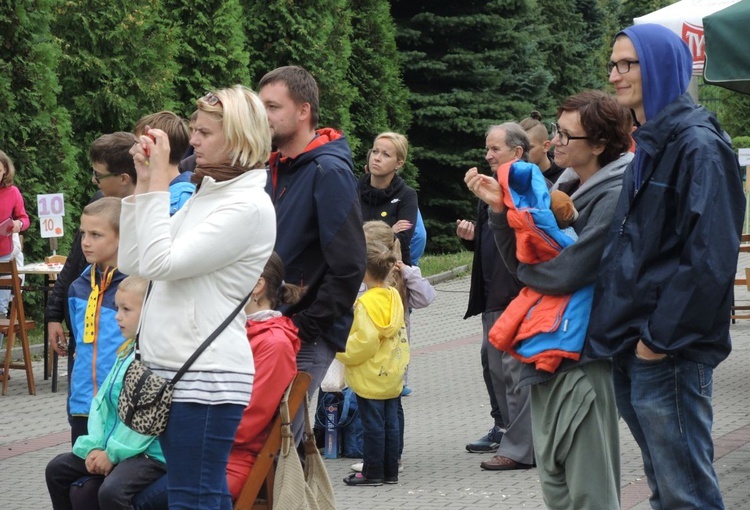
(51, 209)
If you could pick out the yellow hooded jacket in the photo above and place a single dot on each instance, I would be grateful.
(377, 350)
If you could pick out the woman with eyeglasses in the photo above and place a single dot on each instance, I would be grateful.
(574, 418)
(203, 263)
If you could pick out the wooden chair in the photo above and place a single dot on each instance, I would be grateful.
(742, 311)
(263, 470)
(16, 325)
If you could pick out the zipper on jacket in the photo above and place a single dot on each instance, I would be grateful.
(622, 225)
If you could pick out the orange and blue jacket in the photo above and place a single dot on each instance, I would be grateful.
(538, 328)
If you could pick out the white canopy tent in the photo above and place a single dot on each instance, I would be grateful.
(685, 18)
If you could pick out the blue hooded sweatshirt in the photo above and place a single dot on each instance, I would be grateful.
(669, 57)
(667, 273)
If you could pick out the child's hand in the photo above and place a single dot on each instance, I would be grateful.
(90, 460)
(98, 463)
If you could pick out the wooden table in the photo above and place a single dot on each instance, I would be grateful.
(50, 271)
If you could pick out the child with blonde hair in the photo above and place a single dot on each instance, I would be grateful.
(376, 356)
(415, 291)
(111, 463)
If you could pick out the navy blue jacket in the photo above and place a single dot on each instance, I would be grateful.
(396, 202)
(319, 235)
(668, 271)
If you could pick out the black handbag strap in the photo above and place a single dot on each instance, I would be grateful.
(202, 346)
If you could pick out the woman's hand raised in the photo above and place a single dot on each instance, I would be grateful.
(486, 188)
(151, 159)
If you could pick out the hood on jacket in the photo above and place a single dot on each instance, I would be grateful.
(666, 65)
(387, 320)
(611, 174)
(327, 141)
(279, 325)
(376, 196)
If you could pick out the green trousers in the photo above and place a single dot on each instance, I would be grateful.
(576, 439)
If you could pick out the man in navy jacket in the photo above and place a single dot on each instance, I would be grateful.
(319, 222)
(662, 301)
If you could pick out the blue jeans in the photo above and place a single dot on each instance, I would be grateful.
(380, 437)
(667, 405)
(153, 497)
(196, 446)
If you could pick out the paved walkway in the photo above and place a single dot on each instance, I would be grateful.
(447, 409)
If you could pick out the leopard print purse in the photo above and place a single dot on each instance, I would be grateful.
(145, 399)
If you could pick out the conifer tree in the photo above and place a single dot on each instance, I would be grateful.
(34, 129)
(314, 35)
(468, 65)
(381, 103)
(117, 64)
(213, 50)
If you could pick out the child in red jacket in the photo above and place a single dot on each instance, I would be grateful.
(274, 341)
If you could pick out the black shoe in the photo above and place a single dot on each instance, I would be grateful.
(391, 479)
(356, 479)
(488, 443)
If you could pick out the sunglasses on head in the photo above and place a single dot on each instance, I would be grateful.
(211, 99)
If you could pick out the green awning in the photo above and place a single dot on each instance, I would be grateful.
(727, 38)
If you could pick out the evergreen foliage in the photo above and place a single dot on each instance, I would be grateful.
(572, 41)
(117, 64)
(381, 102)
(632, 9)
(315, 35)
(35, 130)
(468, 65)
(212, 48)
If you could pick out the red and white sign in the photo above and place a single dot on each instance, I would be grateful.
(685, 18)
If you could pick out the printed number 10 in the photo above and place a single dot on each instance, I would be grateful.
(48, 224)
(54, 208)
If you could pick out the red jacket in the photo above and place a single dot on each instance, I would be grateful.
(275, 344)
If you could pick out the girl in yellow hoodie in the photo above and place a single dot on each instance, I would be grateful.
(376, 356)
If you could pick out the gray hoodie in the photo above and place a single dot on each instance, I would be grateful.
(577, 265)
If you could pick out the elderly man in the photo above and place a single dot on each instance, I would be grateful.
(492, 288)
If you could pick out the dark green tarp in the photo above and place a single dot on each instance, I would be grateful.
(727, 39)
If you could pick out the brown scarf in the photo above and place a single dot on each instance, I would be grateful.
(220, 173)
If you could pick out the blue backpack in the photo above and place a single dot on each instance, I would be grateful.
(348, 426)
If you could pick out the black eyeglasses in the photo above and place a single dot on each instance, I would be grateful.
(623, 66)
(98, 177)
(565, 138)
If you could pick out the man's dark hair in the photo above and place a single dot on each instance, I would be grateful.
(113, 150)
(302, 87)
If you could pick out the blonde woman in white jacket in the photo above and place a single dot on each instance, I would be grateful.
(203, 262)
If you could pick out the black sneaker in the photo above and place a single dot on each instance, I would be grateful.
(488, 443)
(356, 479)
(391, 479)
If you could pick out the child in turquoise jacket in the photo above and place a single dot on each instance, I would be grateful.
(112, 461)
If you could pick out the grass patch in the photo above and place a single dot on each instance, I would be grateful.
(436, 264)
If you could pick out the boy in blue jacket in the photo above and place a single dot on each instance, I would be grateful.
(114, 461)
(91, 303)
